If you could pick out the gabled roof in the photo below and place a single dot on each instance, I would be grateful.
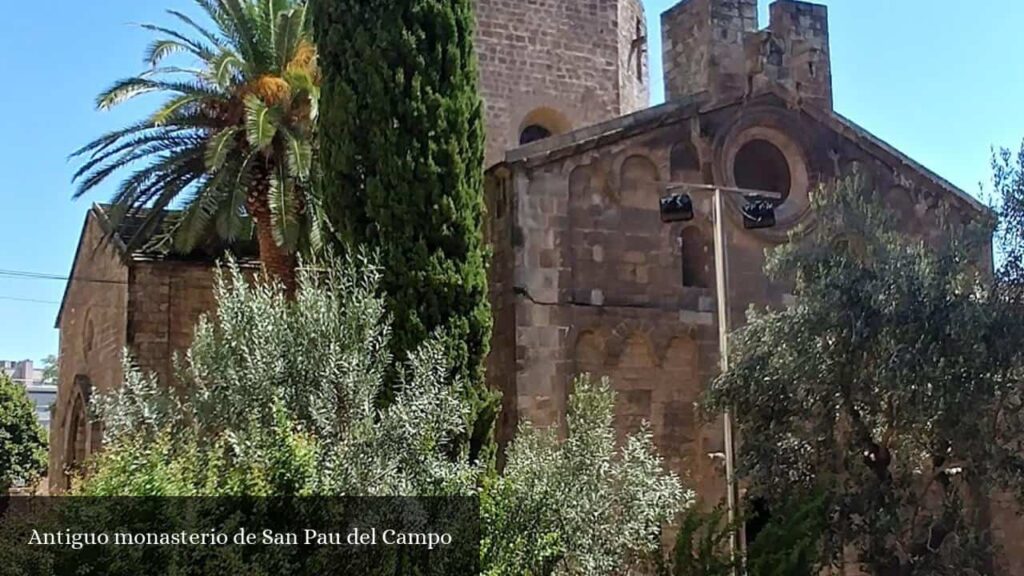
(121, 232)
(646, 120)
(134, 238)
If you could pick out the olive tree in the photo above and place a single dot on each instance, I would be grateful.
(894, 382)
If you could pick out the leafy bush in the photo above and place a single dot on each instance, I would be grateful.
(22, 439)
(578, 506)
(280, 397)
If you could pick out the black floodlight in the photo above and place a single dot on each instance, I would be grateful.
(758, 213)
(676, 208)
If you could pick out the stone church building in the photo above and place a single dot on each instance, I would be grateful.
(585, 277)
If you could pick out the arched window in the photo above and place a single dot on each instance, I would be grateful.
(542, 123)
(696, 258)
(533, 133)
(78, 438)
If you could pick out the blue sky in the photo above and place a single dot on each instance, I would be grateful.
(941, 80)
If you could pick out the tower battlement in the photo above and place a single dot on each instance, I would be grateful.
(717, 46)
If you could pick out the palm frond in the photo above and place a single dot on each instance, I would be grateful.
(284, 211)
(173, 106)
(157, 212)
(129, 88)
(173, 71)
(205, 32)
(248, 35)
(166, 140)
(230, 221)
(157, 181)
(216, 12)
(317, 225)
(110, 138)
(260, 122)
(97, 176)
(163, 47)
(299, 155)
(202, 50)
(224, 67)
(289, 34)
(195, 217)
(218, 148)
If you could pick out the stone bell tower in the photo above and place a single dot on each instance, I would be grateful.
(552, 66)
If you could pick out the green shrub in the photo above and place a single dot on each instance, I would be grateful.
(578, 506)
(278, 397)
(22, 440)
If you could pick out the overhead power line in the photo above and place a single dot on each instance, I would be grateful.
(29, 300)
(26, 275)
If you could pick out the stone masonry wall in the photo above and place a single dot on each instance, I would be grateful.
(634, 71)
(558, 63)
(92, 337)
(599, 283)
(703, 44)
(499, 230)
(166, 301)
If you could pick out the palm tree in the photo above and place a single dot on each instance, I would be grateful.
(232, 142)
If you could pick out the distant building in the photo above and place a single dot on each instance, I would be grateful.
(43, 394)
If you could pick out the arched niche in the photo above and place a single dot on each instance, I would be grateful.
(542, 123)
(685, 164)
(639, 183)
(580, 186)
(681, 356)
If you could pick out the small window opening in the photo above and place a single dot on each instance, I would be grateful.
(533, 133)
(760, 165)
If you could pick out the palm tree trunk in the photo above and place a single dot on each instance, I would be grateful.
(278, 263)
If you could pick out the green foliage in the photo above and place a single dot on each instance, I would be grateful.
(279, 398)
(1008, 181)
(50, 370)
(22, 439)
(402, 143)
(236, 128)
(864, 383)
(702, 544)
(578, 506)
(789, 544)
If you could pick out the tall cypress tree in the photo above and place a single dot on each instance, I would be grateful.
(402, 152)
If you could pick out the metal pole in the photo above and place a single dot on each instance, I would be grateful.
(721, 276)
